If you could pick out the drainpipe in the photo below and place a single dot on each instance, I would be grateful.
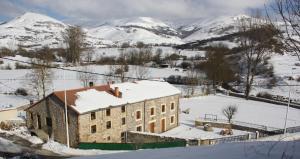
(177, 114)
(144, 116)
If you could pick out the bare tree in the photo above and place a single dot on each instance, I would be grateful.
(191, 81)
(288, 11)
(88, 54)
(229, 112)
(257, 41)
(141, 72)
(74, 38)
(40, 79)
(86, 78)
(117, 72)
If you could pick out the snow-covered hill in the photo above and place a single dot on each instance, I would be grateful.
(31, 30)
(210, 28)
(145, 29)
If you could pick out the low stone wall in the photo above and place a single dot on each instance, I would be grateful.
(262, 133)
(136, 137)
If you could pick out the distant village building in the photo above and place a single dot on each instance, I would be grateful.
(102, 114)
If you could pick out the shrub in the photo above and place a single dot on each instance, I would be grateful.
(21, 91)
(5, 126)
(20, 66)
(264, 95)
(7, 67)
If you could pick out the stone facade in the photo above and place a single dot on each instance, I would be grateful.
(52, 109)
(94, 126)
(114, 134)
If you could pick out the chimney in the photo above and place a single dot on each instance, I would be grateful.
(117, 92)
(31, 101)
(91, 84)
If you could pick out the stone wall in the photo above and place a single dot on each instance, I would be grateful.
(113, 135)
(52, 108)
(133, 137)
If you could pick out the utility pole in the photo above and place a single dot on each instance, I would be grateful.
(288, 106)
(66, 112)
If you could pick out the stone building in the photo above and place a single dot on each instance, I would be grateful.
(103, 114)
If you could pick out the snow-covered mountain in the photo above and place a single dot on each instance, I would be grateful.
(145, 29)
(211, 28)
(31, 30)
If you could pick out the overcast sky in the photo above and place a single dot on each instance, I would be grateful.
(97, 11)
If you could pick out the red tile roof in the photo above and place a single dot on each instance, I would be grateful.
(71, 94)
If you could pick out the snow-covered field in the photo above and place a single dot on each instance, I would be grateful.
(187, 130)
(248, 111)
(109, 52)
(10, 80)
(249, 150)
(284, 67)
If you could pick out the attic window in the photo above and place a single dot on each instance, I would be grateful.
(93, 115)
(107, 112)
(172, 106)
(123, 109)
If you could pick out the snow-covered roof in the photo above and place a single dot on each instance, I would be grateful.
(132, 92)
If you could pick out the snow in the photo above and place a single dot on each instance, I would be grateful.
(189, 131)
(23, 133)
(282, 137)
(284, 67)
(9, 146)
(12, 64)
(248, 111)
(132, 92)
(213, 27)
(31, 29)
(251, 150)
(120, 35)
(64, 150)
(12, 101)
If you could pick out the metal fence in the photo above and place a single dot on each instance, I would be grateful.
(240, 123)
(233, 138)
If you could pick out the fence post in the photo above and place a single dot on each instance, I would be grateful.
(257, 134)
(249, 136)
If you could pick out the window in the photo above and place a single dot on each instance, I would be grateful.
(108, 124)
(138, 115)
(39, 122)
(49, 122)
(123, 136)
(163, 108)
(172, 106)
(108, 138)
(139, 128)
(123, 121)
(123, 109)
(107, 112)
(93, 129)
(31, 116)
(93, 115)
(172, 119)
(152, 111)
